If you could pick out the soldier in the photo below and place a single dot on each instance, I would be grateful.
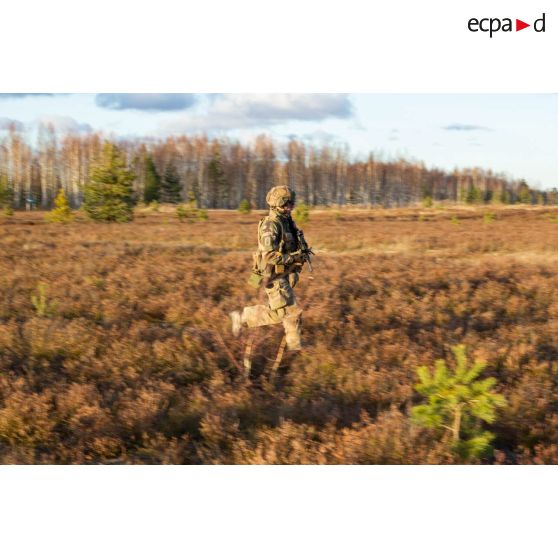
(277, 263)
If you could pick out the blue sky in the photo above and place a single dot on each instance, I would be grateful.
(513, 134)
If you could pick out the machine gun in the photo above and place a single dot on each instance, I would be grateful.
(305, 250)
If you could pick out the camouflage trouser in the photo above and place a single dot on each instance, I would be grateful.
(281, 307)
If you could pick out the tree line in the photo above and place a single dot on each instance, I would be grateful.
(222, 173)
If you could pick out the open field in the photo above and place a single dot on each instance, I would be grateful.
(126, 356)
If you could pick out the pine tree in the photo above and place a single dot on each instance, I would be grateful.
(217, 182)
(152, 190)
(170, 186)
(524, 194)
(474, 195)
(6, 194)
(61, 212)
(192, 199)
(457, 402)
(108, 196)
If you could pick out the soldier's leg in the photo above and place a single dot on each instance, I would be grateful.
(291, 324)
(262, 314)
(259, 315)
(292, 319)
(281, 307)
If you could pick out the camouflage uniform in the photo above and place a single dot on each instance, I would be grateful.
(277, 241)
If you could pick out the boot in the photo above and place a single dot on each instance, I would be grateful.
(236, 323)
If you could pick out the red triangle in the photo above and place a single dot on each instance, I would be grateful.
(519, 25)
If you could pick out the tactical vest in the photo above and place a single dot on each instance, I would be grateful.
(287, 244)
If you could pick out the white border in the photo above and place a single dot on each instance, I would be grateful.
(291, 46)
(255, 511)
(288, 46)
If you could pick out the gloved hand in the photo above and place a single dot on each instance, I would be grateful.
(294, 257)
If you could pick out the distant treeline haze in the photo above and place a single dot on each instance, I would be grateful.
(220, 173)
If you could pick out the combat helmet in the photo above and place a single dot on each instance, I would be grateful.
(278, 196)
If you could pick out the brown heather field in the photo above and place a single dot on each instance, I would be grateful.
(129, 358)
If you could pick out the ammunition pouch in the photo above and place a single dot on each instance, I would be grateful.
(257, 275)
(264, 272)
(255, 279)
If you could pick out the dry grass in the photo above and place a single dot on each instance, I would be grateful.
(133, 362)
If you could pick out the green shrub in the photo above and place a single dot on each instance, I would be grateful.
(244, 207)
(427, 201)
(489, 218)
(181, 212)
(301, 213)
(189, 212)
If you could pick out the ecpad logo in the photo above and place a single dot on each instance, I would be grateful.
(493, 25)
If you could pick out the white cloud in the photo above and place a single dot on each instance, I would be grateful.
(318, 136)
(21, 95)
(7, 123)
(465, 128)
(152, 102)
(64, 124)
(238, 111)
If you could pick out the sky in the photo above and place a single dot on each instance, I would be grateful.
(514, 134)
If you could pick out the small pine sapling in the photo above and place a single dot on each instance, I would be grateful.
(202, 215)
(41, 304)
(458, 403)
(181, 212)
(62, 212)
(244, 207)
